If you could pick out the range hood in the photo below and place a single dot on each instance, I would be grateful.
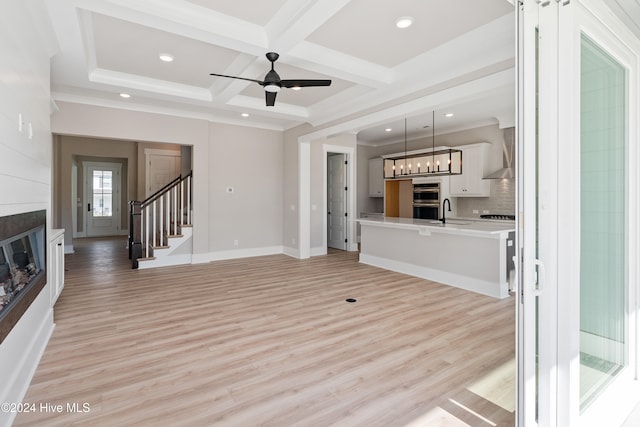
(508, 150)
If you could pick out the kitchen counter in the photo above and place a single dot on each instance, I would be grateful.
(490, 229)
(464, 253)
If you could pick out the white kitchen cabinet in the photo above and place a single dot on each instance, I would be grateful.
(56, 265)
(475, 159)
(376, 177)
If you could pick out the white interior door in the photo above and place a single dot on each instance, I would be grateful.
(163, 166)
(337, 201)
(102, 183)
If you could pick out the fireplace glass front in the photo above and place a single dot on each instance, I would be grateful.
(21, 260)
(22, 265)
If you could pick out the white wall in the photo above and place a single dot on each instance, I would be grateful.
(25, 176)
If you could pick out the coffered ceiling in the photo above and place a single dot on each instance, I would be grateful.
(459, 52)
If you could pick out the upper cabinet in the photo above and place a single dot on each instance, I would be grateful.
(475, 159)
(376, 177)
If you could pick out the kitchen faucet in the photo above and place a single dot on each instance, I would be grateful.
(449, 203)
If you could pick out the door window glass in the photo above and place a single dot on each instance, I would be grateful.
(102, 193)
(603, 231)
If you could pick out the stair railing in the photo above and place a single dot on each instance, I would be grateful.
(159, 216)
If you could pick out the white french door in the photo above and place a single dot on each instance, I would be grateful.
(578, 199)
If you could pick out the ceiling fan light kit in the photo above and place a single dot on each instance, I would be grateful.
(272, 82)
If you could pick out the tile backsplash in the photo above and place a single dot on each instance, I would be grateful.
(502, 200)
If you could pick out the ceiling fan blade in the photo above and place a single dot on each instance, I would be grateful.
(236, 77)
(271, 98)
(304, 83)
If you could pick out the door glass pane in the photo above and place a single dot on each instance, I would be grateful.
(102, 193)
(602, 220)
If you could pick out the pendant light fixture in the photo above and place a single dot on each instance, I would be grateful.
(447, 161)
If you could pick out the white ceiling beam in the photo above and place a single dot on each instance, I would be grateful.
(185, 19)
(297, 19)
(328, 61)
(486, 45)
(131, 81)
(244, 66)
(434, 101)
(158, 109)
(491, 47)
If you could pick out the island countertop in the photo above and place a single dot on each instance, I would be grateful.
(488, 229)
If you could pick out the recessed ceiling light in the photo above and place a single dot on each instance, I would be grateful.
(404, 22)
(388, 130)
(166, 57)
(448, 115)
(296, 88)
(245, 114)
(125, 95)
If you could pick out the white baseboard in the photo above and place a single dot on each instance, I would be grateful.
(292, 252)
(244, 253)
(318, 251)
(445, 277)
(68, 249)
(166, 261)
(200, 258)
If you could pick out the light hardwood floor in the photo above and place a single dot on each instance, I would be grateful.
(270, 341)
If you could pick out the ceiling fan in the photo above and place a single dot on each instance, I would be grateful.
(272, 82)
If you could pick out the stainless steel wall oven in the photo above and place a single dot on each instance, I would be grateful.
(426, 200)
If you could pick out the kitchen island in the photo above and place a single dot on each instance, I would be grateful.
(467, 254)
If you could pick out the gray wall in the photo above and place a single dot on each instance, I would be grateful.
(249, 161)
(219, 153)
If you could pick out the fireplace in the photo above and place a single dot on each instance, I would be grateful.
(22, 265)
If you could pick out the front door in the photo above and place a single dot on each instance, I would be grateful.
(337, 201)
(102, 182)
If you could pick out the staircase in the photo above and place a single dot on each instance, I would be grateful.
(160, 230)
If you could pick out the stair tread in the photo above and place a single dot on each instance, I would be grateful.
(161, 247)
(175, 235)
(147, 259)
(186, 225)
